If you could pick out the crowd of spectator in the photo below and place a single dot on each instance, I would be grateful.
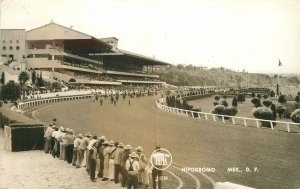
(117, 162)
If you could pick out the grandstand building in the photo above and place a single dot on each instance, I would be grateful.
(62, 53)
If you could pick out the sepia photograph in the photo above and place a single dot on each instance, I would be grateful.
(149, 94)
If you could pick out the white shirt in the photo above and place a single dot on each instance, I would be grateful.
(135, 164)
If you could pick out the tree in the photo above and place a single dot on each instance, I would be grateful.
(282, 99)
(263, 113)
(180, 66)
(33, 77)
(2, 78)
(295, 116)
(72, 80)
(272, 94)
(234, 102)
(23, 77)
(241, 98)
(297, 99)
(11, 92)
(40, 81)
(273, 108)
(217, 97)
(280, 110)
(56, 86)
(258, 96)
(224, 103)
(267, 103)
(256, 102)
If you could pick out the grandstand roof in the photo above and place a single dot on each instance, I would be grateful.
(53, 31)
(129, 57)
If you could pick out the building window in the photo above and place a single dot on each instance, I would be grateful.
(11, 48)
(10, 41)
(4, 48)
(17, 41)
(18, 47)
(3, 41)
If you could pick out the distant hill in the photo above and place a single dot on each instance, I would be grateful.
(197, 76)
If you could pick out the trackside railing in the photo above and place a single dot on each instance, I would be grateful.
(224, 118)
(36, 102)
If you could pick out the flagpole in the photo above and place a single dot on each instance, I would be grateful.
(279, 64)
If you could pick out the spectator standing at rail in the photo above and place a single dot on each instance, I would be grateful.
(142, 165)
(132, 167)
(69, 142)
(93, 159)
(103, 143)
(129, 101)
(117, 161)
(106, 162)
(62, 144)
(125, 156)
(57, 142)
(77, 142)
(53, 141)
(111, 162)
(88, 153)
(81, 149)
(47, 138)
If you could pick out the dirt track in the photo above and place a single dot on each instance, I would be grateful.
(193, 143)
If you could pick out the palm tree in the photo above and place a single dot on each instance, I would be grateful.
(23, 78)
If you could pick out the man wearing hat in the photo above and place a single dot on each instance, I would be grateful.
(92, 159)
(125, 156)
(142, 163)
(69, 145)
(112, 152)
(58, 135)
(81, 149)
(117, 161)
(132, 167)
(91, 143)
(106, 161)
(52, 140)
(77, 142)
(47, 138)
(102, 144)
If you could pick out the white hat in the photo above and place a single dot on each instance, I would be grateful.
(88, 135)
(128, 147)
(111, 143)
(133, 155)
(139, 149)
(105, 142)
(80, 135)
(102, 138)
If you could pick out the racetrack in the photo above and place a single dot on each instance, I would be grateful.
(192, 142)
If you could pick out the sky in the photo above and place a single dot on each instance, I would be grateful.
(235, 34)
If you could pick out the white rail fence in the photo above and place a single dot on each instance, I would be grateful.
(36, 102)
(224, 118)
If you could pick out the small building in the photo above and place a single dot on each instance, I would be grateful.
(12, 44)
